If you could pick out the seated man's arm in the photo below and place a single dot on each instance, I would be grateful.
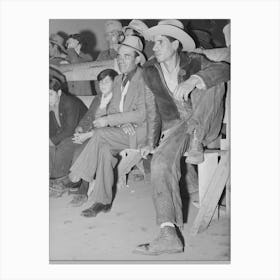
(211, 73)
(71, 116)
(86, 122)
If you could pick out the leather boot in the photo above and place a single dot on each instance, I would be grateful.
(166, 242)
(195, 154)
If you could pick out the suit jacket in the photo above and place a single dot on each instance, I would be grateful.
(71, 110)
(134, 108)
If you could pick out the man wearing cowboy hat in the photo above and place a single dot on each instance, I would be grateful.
(186, 92)
(113, 36)
(123, 127)
(138, 27)
(57, 52)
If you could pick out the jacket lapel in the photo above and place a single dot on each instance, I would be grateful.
(131, 91)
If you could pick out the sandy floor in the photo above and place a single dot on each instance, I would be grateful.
(112, 236)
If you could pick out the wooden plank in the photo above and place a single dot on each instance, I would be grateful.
(212, 195)
(87, 71)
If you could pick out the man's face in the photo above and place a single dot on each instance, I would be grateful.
(163, 48)
(111, 36)
(53, 97)
(53, 51)
(126, 59)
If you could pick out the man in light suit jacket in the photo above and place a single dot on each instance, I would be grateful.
(124, 127)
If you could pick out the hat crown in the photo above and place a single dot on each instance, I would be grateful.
(133, 42)
(138, 25)
(174, 22)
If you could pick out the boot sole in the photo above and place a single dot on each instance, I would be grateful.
(174, 251)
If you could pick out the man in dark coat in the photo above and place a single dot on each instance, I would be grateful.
(65, 112)
(184, 100)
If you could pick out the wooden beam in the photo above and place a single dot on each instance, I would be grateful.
(212, 195)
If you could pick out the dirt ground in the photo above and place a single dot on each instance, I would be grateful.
(112, 236)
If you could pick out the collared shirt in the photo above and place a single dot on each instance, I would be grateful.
(171, 78)
(124, 86)
(105, 100)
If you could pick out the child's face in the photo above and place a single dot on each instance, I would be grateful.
(106, 85)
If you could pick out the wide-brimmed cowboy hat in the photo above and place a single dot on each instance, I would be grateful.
(134, 43)
(57, 40)
(175, 29)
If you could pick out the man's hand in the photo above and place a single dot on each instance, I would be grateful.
(185, 88)
(78, 129)
(144, 151)
(51, 143)
(128, 128)
(101, 122)
(80, 138)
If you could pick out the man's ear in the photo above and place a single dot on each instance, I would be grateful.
(137, 59)
(59, 92)
(175, 44)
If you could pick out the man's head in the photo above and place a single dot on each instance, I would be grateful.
(75, 41)
(130, 54)
(170, 38)
(57, 85)
(135, 27)
(113, 32)
(56, 47)
(54, 91)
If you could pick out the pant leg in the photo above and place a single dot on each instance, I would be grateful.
(165, 176)
(60, 158)
(208, 111)
(97, 158)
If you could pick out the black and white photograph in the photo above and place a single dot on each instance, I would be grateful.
(155, 152)
(139, 140)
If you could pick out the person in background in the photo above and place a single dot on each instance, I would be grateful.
(124, 127)
(75, 45)
(65, 112)
(57, 51)
(85, 129)
(218, 54)
(184, 99)
(138, 27)
(113, 36)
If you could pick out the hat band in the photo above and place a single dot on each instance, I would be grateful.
(132, 48)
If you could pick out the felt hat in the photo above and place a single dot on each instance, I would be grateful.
(134, 43)
(55, 73)
(175, 29)
(57, 40)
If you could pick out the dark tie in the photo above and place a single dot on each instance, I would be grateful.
(124, 81)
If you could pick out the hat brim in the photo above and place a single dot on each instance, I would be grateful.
(54, 72)
(61, 46)
(172, 31)
(142, 56)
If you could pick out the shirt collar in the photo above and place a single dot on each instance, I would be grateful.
(130, 75)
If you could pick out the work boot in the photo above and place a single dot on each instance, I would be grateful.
(195, 154)
(166, 242)
(95, 209)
